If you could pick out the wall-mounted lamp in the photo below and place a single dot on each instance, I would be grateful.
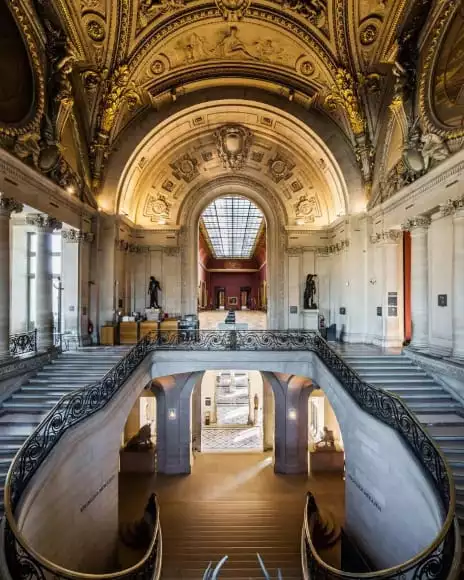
(292, 414)
(373, 281)
(172, 414)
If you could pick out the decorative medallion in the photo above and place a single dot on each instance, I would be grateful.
(206, 155)
(233, 144)
(280, 168)
(157, 207)
(158, 67)
(186, 168)
(257, 156)
(95, 30)
(306, 207)
(368, 35)
(232, 9)
(307, 68)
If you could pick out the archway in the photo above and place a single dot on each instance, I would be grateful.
(232, 275)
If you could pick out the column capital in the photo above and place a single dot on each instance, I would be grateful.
(44, 222)
(418, 222)
(387, 237)
(76, 236)
(8, 205)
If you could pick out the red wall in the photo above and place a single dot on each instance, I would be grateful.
(407, 284)
(232, 282)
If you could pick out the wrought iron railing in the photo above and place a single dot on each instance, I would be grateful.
(23, 343)
(432, 563)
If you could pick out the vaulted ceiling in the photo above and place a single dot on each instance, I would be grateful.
(133, 97)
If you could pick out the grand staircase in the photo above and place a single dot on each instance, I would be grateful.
(194, 533)
(438, 411)
(22, 412)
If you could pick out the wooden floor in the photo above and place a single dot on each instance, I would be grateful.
(231, 504)
(256, 320)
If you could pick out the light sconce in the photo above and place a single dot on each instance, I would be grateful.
(292, 414)
(172, 414)
(373, 281)
(70, 189)
(347, 283)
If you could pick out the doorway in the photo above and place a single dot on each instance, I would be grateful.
(245, 293)
(220, 298)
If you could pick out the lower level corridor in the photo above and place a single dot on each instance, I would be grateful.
(235, 505)
(256, 320)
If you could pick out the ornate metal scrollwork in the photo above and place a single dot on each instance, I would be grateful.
(77, 406)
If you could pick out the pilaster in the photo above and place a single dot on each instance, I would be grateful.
(8, 205)
(458, 279)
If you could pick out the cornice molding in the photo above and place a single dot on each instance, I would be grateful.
(19, 177)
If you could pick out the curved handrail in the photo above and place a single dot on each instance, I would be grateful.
(81, 404)
(436, 559)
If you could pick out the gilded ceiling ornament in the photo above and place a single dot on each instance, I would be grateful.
(151, 9)
(343, 94)
(296, 185)
(307, 68)
(368, 34)
(168, 185)
(95, 30)
(280, 168)
(157, 207)
(313, 10)
(233, 144)
(257, 156)
(157, 67)
(186, 168)
(232, 9)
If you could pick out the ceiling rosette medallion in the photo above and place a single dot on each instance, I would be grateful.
(233, 144)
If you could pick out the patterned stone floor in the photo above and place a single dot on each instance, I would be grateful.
(255, 320)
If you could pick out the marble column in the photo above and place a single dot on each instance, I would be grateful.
(45, 226)
(7, 206)
(418, 227)
(458, 280)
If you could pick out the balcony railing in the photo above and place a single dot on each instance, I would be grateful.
(23, 343)
(432, 563)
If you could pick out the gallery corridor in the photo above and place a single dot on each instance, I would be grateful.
(231, 504)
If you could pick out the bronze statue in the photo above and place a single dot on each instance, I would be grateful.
(328, 439)
(153, 288)
(310, 291)
(141, 440)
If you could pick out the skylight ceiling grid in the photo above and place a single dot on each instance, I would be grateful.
(232, 224)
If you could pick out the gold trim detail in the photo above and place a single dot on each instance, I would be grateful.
(32, 124)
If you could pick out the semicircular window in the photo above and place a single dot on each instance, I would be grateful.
(16, 85)
(232, 224)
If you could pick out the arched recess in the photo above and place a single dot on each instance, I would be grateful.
(196, 201)
(321, 129)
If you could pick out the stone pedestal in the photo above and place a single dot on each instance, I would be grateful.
(45, 225)
(7, 206)
(311, 319)
(137, 461)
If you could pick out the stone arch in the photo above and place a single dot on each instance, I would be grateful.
(174, 436)
(137, 133)
(274, 214)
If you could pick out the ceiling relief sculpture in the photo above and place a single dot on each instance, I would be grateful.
(105, 66)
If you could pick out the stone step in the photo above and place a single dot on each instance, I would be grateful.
(390, 373)
(20, 406)
(450, 419)
(402, 382)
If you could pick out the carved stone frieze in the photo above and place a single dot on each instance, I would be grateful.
(417, 222)
(232, 9)
(389, 236)
(233, 143)
(76, 236)
(171, 252)
(307, 208)
(43, 222)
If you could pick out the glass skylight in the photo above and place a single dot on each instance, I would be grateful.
(232, 224)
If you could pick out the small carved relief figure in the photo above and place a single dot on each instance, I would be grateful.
(327, 440)
(153, 288)
(310, 291)
(231, 46)
(433, 148)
